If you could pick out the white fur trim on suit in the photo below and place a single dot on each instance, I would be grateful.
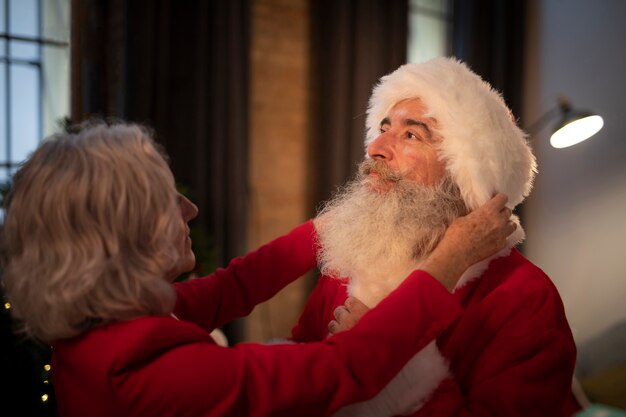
(484, 150)
(408, 390)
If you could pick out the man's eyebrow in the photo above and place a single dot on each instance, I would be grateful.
(410, 122)
(419, 123)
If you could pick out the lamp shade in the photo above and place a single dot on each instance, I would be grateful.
(576, 127)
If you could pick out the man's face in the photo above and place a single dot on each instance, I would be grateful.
(407, 144)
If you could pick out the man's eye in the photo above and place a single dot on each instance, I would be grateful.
(411, 135)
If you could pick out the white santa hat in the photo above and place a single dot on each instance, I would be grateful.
(484, 150)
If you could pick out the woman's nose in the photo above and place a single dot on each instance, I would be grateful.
(188, 209)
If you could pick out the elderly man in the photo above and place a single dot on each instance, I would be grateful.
(440, 142)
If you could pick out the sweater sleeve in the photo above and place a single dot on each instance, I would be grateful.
(233, 291)
(283, 380)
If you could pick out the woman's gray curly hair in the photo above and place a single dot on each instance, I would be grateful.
(89, 231)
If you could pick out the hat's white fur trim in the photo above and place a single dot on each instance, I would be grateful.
(484, 150)
(408, 390)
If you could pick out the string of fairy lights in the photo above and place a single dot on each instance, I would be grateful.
(44, 396)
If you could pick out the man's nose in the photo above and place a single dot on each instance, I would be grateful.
(380, 148)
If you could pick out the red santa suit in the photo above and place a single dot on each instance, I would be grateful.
(508, 352)
(170, 366)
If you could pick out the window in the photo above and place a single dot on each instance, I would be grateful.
(430, 29)
(34, 76)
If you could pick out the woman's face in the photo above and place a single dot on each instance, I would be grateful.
(187, 260)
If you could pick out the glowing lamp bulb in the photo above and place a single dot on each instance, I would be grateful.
(576, 131)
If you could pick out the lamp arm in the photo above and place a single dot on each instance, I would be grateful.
(540, 123)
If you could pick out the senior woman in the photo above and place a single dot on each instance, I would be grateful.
(94, 234)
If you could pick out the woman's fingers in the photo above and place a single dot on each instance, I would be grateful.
(497, 202)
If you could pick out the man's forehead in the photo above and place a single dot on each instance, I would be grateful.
(411, 111)
(414, 108)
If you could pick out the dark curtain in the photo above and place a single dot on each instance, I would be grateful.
(489, 36)
(182, 68)
(353, 43)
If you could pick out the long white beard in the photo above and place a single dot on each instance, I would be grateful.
(377, 238)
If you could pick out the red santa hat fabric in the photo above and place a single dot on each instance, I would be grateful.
(484, 150)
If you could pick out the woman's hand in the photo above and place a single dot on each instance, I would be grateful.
(469, 240)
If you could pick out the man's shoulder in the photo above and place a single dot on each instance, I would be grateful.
(516, 270)
(512, 272)
(515, 282)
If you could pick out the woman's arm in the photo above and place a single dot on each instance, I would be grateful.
(194, 377)
(233, 291)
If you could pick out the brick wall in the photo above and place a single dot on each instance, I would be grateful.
(278, 146)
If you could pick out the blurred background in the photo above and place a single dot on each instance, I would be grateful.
(260, 105)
